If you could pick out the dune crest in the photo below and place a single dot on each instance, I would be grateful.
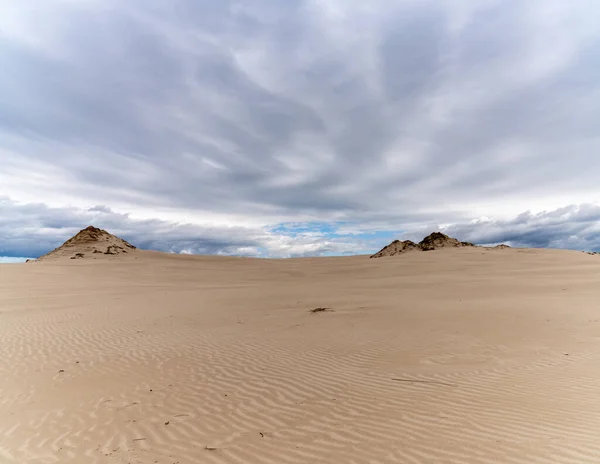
(397, 247)
(433, 241)
(90, 241)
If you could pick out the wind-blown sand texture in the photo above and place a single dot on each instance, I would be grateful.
(463, 355)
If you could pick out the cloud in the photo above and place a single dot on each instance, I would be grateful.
(386, 116)
(34, 229)
(574, 227)
(11, 260)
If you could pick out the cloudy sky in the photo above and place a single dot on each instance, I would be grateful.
(292, 128)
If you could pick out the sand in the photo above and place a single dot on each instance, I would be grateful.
(450, 356)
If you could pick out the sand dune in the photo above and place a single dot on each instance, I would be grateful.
(432, 242)
(90, 242)
(463, 355)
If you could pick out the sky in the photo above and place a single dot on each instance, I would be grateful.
(299, 128)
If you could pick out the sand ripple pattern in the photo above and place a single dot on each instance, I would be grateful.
(210, 374)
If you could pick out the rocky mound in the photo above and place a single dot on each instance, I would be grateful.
(433, 241)
(438, 240)
(89, 242)
(396, 247)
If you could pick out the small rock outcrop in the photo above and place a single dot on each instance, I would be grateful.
(433, 241)
(90, 240)
(438, 240)
(396, 247)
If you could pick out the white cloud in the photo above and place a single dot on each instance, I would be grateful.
(34, 229)
(11, 260)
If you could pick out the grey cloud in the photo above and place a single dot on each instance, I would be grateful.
(34, 229)
(395, 112)
(572, 227)
(31, 230)
(99, 209)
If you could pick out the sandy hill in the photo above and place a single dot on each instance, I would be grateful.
(433, 241)
(438, 240)
(396, 247)
(89, 242)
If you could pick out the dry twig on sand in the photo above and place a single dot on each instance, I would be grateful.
(320, 310)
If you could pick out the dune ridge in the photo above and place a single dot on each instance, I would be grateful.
(90, 242)
(434, 241)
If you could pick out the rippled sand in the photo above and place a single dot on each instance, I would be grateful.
(451, 356)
